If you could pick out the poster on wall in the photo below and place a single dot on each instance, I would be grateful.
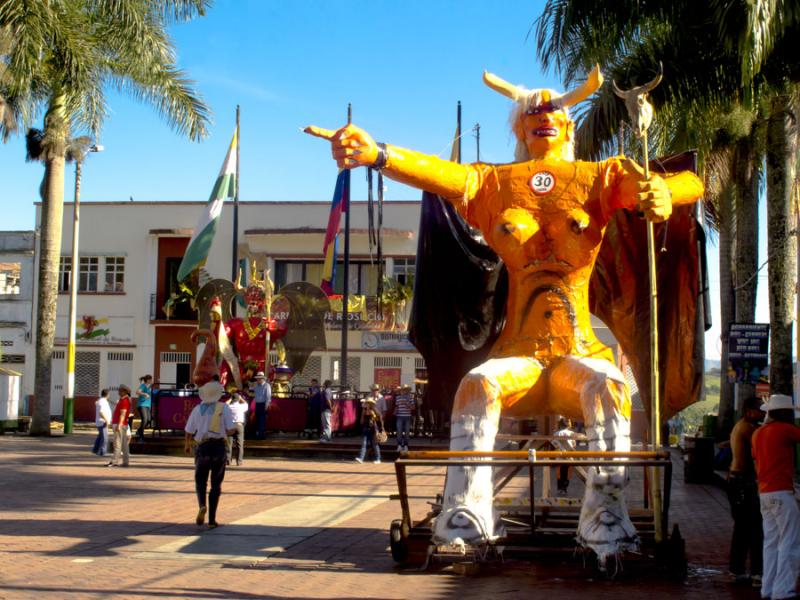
(748, 353)
(388, 378)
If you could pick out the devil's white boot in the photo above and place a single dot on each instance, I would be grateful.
(604, 524)
(468, 515)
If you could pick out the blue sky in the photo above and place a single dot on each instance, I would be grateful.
(403, 65)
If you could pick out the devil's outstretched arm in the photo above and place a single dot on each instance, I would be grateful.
(353, 147)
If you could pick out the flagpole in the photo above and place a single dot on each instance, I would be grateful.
(235, 249)
(458, 118)
(346, 286)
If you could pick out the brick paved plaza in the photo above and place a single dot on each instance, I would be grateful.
(292, 528)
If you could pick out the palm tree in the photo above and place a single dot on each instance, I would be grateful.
(702, 102)
(8, 116)
(63, 57)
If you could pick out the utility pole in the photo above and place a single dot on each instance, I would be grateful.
(69, 398)
(477, 130)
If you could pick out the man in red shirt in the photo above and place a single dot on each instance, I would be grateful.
(773, 451)
(119, 423)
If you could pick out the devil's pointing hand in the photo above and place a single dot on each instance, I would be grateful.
(351, 146)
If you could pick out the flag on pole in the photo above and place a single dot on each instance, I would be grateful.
(330, 246)
(203, 235)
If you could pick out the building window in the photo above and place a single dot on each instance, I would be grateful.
(403, 270)
(115, 274)
(87, 278)
(363, 275)
(87, 373)
(12, 359)
(10, 278)
(89, 275)
(64, 273)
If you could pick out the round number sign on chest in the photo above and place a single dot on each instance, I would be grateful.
(543, 183)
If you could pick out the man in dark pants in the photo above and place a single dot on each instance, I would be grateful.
(748, 537)
(262, 397)
(209, 424)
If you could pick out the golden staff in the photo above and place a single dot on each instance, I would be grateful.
(640, 112)
(269, 290)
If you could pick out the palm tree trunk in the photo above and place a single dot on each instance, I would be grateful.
(56, 130)
(781, 246)
(746, 171)
(727, 306)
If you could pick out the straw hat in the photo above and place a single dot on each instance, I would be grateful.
(211, 392)
(260, 375)
(374, 387)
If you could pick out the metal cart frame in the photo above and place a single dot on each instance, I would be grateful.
(411, 542)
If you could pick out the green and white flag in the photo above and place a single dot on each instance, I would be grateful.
(203, 235)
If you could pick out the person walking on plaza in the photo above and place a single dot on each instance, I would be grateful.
(371, 424)
(326, 402)
(565, 433)
(238, 406)
(102, 419)
(748, 537)
(380, 401)
(143, 404)
(122, 431)
(209, 425)
(774, 452)
(313, 408)
(404, 407)
(262, 393)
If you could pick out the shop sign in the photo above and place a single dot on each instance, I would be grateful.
(363, 315)
(379, 340)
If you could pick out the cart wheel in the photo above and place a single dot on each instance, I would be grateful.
(676, 555)
(398, 542)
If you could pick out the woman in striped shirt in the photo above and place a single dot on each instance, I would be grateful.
(404, 406)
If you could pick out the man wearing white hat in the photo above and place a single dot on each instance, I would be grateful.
(209, 425)
(774, 451)
(262, 393)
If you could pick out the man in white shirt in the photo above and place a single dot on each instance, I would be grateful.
(238, 406)
(262, 397)
(102, 417)
(209, 424)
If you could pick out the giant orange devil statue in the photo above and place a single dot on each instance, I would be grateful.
(545, 216)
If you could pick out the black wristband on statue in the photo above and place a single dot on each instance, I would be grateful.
(382, 158)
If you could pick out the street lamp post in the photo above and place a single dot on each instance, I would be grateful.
(69, 399)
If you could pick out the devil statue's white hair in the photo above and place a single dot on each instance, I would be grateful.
(524, 99)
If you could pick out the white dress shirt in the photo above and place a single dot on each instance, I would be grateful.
(199, 422)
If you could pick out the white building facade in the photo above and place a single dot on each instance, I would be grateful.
(17, 276)
(129, 256)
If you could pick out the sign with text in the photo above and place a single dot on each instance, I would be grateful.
(97, 330)
(364, 314)
(748, 352)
